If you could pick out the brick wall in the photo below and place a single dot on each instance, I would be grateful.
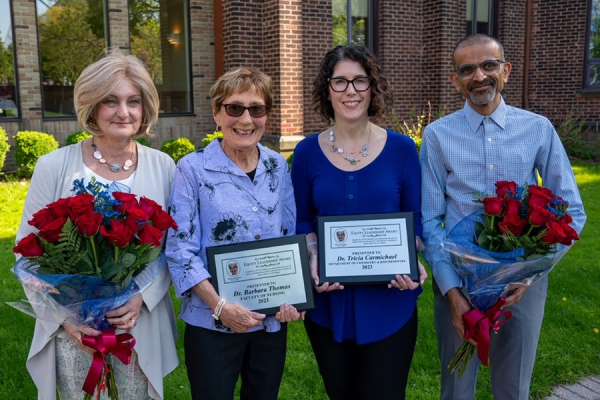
(443, 27)
(558, 48)
(282, 47)
(118, 24)
(511, 32)
(243, 33)
(288, 38)
(401, 53)
(28, 63)
(316, 42)
(203, 66)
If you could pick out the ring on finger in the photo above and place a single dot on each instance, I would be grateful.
(134, 321)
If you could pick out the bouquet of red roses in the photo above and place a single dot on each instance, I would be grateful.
(92, 253)
(519, 237)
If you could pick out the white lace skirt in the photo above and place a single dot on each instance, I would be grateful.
(73, 364)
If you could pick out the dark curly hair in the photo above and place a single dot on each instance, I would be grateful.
(381, 96)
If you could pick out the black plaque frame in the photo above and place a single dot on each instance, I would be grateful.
(295, 243)
(345, 223)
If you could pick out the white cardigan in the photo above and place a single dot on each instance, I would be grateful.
(156, 330)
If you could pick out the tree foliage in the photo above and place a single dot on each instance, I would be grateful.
(7, 65)
(71, 37)
(145, 45)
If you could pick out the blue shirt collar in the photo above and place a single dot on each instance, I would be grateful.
(215, 159)
(498, 116)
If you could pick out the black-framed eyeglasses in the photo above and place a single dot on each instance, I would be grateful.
(236, 110)
(360, 84)
(489, 68)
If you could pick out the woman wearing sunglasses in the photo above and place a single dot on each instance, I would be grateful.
(363, 336)
(234, 190)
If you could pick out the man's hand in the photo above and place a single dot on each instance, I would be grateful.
(516, 290)
(458, 306)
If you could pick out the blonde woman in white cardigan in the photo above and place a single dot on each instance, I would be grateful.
(115, 100)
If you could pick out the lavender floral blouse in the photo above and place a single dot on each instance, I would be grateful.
(215, 203)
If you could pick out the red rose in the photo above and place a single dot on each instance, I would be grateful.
(505, 187)
(492, 205)
(163, 221)
(149, 206)
(29, 246)
(59, 208)
(127, 200)
(51, 232)
(136, 217)
(149, 235)
(538, 216)
(41, 218)
(88, 224)
(80, 205)
(120, 233)
(538, 196)
(555, 233)
(512, 223)
(570, 233)
(566, 219)
(511, 206)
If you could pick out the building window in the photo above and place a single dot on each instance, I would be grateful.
(481, 17)
(352, 22)
(72, 36)
(158, 32)
(8, 91)
(592, 56)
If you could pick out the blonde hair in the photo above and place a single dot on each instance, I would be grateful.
(100, 79)
(239, 80)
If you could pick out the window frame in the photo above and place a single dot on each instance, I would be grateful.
(39, 43)
(494, 6)
(17, 96)
(372, 25)
(588, 61)
(188, 43)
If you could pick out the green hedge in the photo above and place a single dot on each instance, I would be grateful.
(31, 146)
(210, 137)
(4, 147)
(178, 148)
(77, 137)
(143, 141)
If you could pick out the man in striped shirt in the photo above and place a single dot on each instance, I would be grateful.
(468, 152)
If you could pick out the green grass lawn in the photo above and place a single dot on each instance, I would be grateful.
(569, 345)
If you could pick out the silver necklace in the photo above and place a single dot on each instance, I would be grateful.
(114, 167)
(364, 151)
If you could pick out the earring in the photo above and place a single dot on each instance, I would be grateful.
(217, 128)
(91, 123)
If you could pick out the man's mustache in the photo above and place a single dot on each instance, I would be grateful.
(487, 81)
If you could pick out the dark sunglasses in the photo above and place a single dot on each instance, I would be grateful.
(236, 110)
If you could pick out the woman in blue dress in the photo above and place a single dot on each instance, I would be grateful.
(363, 336)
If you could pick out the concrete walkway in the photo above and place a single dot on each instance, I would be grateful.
(586, 389)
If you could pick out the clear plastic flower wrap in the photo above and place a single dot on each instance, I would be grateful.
(77, 299)
(485, 276)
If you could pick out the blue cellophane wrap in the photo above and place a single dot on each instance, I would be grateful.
(485, 274)
(77, 299)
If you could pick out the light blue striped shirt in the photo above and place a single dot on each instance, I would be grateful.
(466, 152)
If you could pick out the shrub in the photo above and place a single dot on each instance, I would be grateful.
(4, 147)
(414, 126)
(30, 147)
(570, 132)
(210, 137)
(143, 141)
(290, 159)
(77, 137)
(177, 148)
